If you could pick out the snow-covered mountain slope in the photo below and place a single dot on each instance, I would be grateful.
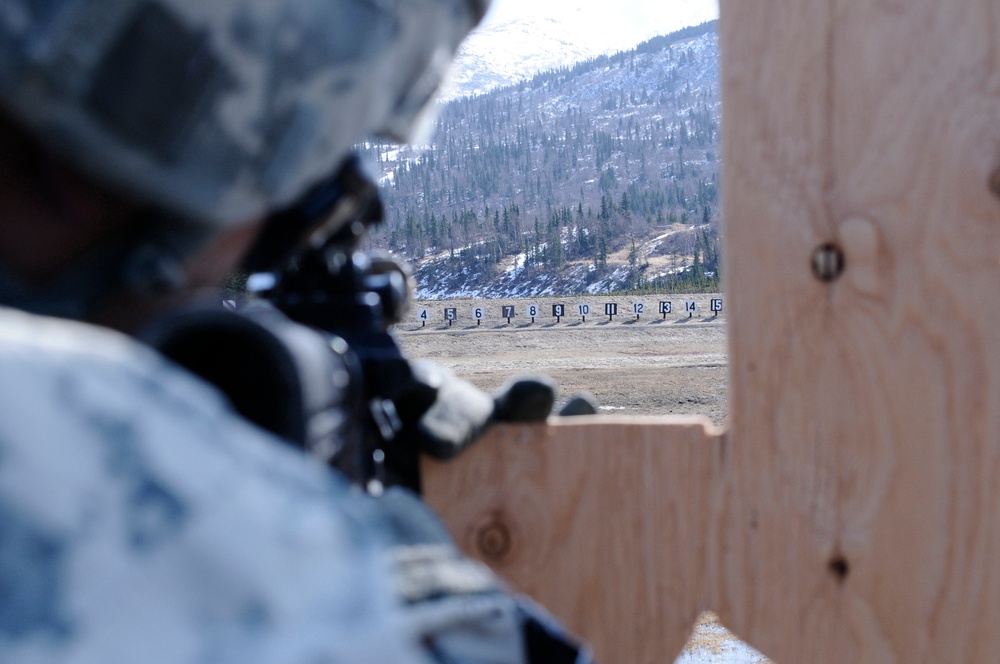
(529, 38)
(511, 52)
(596, 178)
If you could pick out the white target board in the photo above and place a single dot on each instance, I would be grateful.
(423, 315)
(532, 311)
(478, 313)
(583, 309)
(690, 307)
(638, 308)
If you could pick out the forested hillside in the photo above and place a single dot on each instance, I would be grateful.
(603, 176)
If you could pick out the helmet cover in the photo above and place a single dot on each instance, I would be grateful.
(222, 111)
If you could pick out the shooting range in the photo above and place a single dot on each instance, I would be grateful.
(481, 310)
(848, 512)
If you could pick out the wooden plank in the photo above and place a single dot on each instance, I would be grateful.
(852, 514)
(605, 521)
(860, 522)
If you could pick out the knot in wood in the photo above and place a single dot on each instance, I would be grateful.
(493, 541)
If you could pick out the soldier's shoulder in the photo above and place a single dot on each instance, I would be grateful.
(123, 476)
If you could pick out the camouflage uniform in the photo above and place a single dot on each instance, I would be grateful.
(141, 521)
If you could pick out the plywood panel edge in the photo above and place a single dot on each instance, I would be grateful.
(606, 521)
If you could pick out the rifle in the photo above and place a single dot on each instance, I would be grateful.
(311, 356)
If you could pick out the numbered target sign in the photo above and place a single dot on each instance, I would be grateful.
(664, 308)
(450, 313)
(716, 304)
(638, 308)
(584, 309)
(478, 313)
(423, 315)
(531, 311)
(508, 312)
(558, 310)
(610, 309)
(690, 307)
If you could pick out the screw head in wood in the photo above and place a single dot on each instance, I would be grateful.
(827, 262)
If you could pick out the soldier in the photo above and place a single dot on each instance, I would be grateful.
(143, 145)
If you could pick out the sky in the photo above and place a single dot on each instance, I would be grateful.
(627, 22)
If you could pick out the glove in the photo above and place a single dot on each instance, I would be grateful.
(462, 412)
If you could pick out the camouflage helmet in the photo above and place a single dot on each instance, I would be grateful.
(222, 110)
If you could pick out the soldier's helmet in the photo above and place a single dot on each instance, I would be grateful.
(222, 110)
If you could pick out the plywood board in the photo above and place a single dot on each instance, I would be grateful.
(605, 521)
(851, 512)
(861, 519)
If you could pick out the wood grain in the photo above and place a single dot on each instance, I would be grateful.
(604, 521)
(851, 513)
(860, 523)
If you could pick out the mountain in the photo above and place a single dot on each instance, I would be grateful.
(533, 37)
(507, 53)
(601, 176)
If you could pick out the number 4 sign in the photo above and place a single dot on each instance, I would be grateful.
(423, 316)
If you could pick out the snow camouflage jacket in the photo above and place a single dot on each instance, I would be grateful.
(141, 521)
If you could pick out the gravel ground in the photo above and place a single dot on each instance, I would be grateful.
(650, 366)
